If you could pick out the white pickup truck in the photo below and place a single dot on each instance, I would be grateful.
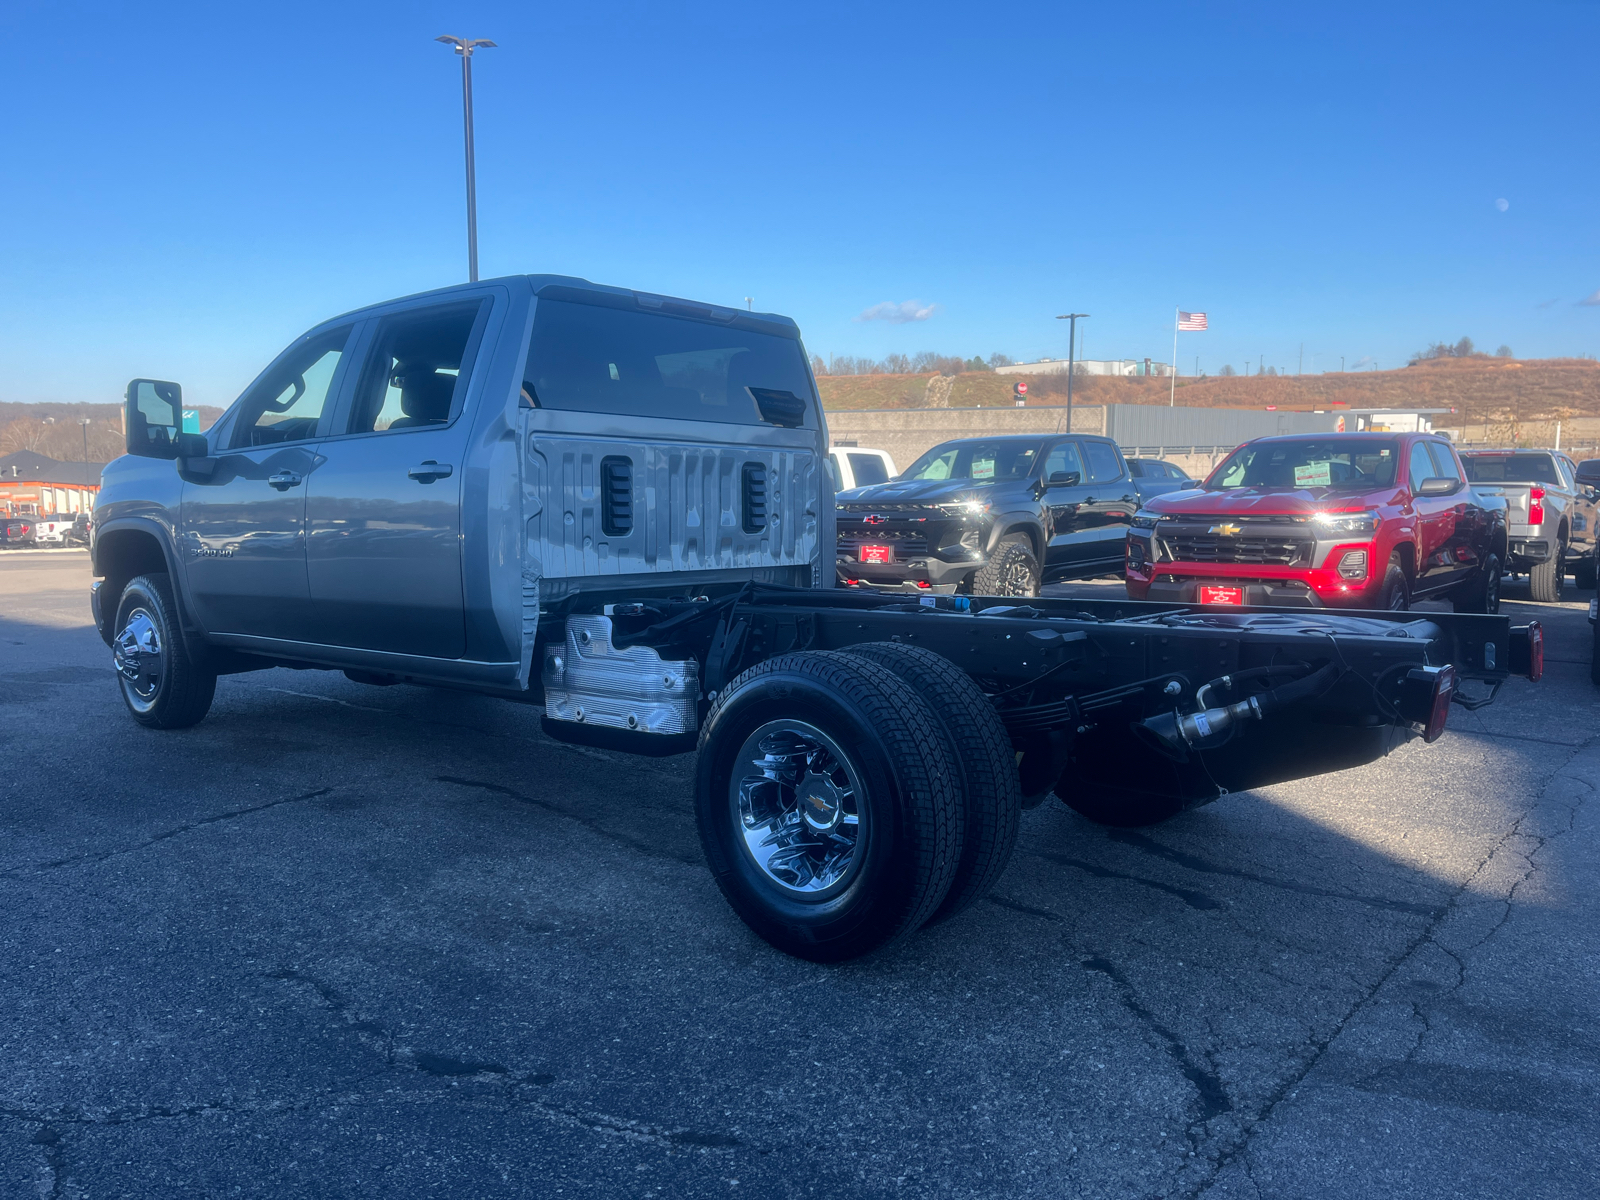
(53, 530)
(1548, 527)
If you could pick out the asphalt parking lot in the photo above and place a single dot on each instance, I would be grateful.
(351, 941)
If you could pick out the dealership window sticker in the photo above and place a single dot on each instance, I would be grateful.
(1313, 475)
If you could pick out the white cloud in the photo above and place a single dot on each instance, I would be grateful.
(1592, 300)
(899, 314)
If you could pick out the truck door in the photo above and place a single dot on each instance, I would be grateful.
(1067, 527)
(383, 551)
(1108, 510)
(1436, 522)
(1469, 532)
(242, 527)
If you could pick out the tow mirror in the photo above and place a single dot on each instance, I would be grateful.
(1063, 479)
(1589, 473)
(153, 417)
(1438, 486)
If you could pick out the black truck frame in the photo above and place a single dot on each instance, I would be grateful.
(1131, 712)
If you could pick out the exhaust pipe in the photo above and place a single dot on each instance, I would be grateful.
(1174, 734)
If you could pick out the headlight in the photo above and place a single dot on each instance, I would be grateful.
(1346, 522)
(1147, 520)
(966, 508)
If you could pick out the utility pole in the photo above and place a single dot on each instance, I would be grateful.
(464, 47)
(1341, 364)
(1072, 346)
(1301, 369)
(750, 303)
(84, 421)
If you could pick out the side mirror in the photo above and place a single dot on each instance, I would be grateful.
(1589, 473)
(1439, 486)
(153, 412)
(1062, 479)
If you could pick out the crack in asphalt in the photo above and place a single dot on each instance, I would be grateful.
(1194, 899)
(589, 823)
(1207, 1083)
(1192, 862)
(1427, 936)
(166, 835)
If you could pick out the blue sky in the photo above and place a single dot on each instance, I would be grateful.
(183, 189)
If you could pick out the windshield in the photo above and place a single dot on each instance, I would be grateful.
(1004, 458)
(1337, 464)
(1510, 468)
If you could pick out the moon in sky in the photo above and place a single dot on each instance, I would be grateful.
(1502, 204)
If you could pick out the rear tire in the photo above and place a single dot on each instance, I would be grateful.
(985, 763)
(163, 687)
(827, 805)
(1545, 579)
(1011, 571)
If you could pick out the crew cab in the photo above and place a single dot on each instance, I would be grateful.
(54, 529)
(1357, 520)
(1156, 477)
(612, 505)
(990, 516)
(856, 466)
(1547, 523)
(16, 532)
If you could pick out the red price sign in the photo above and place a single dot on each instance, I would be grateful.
(1021, 389)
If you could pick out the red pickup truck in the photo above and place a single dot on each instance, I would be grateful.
(1350, 520)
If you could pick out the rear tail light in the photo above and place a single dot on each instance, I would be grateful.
(1527, 650)
(1536, 506)
(1425, 695)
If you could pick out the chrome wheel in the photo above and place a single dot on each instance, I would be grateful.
(140, 659)
(797, 799)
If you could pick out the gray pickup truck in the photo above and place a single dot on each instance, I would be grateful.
(1548, 522)
(613, 504)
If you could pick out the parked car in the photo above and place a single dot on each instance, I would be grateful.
(1548, 528)
(613, 504)
(991, 517)
(1156, 477)
(1362, 520)
(78, 534)
(855, 466)
(52, 530)
(16, 532)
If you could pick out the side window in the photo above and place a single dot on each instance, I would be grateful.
(867, 468)
(1064, 458)
(1421, 465)
(1104, 465)
(1444, 461)
(415, 374)
(287, 405)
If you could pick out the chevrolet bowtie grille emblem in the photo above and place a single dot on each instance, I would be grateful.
(872, 519)
(1226, 530)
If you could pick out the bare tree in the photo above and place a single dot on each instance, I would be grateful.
(1504, 352)
(897, 364)
(1227, 370)
(818, 367)
(1001, 360)
(1463, 348)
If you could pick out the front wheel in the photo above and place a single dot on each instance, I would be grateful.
(1011, 570)
(163, 687)
(1396, 593)
(827, 805)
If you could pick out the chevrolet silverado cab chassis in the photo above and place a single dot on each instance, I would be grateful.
(614, 505)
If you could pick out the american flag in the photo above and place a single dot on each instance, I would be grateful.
(1191, 322)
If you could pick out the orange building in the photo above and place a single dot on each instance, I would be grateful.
(33, 484)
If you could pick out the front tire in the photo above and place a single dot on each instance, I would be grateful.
(1396, 593)
(1011, 570)
(826, 804)
(163, 687)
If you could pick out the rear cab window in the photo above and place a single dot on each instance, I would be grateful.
(1511, 468)
(867, 469)
(590, 357)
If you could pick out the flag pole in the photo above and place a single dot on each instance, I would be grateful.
(1172, 390)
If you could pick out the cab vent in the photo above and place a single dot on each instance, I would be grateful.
(616, 495)
(755, 497)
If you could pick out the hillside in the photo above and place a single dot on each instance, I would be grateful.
(1478, 388)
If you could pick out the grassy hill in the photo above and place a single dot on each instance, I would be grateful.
(1478, 388)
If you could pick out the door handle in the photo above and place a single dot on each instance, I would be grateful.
(283, 480)
(429, 471)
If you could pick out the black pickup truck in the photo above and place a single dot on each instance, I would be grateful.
(991, 517)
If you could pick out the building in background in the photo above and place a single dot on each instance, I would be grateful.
(1124, 367)
(36, 485)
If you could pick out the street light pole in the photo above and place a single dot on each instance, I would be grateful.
(1072, 346)
(464, 47)
(84, 421)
